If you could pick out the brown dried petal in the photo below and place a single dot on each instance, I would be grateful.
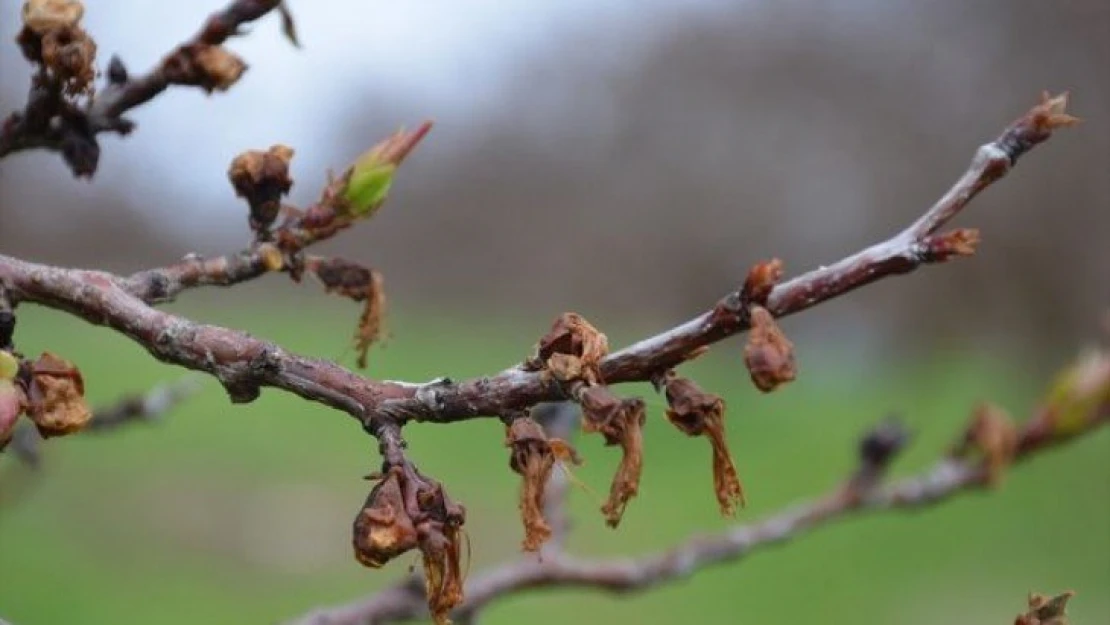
(571, 335)
(991, 433)
(352, 280)
(218, 67)
(44, 15)
(383, 529)
(697, 413)
(761, 279)
(768, 354)
(443, 581)
(57, 402)
(621, 422)
(533, 456)
(70, 54)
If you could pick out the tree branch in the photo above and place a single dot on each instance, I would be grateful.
(856, 497)
(245, 364)
(53, 119)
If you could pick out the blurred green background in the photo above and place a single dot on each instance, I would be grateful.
(241, 514)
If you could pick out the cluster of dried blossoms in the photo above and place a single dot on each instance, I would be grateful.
(406, 510)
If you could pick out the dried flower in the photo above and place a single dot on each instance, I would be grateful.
(697, 413)
(262, 178)
(533, 457)
(56, 397)
(769, 355)
(621, 422)
(383, 529)
(572, 350)
(406, 510)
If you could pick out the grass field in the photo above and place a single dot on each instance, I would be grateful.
(241, 514)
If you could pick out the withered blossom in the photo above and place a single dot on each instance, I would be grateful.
(621, 422)
(697, 413)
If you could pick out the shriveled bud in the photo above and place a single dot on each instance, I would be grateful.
(383, 529)
(761, 279)
(572, 350)
(262, 178)
(365, 185)
(768, 354)
(697, 413)
(57, 397)
(42, 16)
(1051, 113)
(621, 422)
(961, 242)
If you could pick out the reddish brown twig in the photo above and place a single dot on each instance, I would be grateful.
(854, 497)
(51, 120)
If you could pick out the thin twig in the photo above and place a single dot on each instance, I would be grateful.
(54, 122)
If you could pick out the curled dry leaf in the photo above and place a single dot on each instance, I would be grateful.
(533, 456)
(768, 354)
(993, 435)
(621, 422)
(697, 413)
(761, 279)
(56, 397)
(1046, 610)
(262, 178)
(352, 280)
(571, 350)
